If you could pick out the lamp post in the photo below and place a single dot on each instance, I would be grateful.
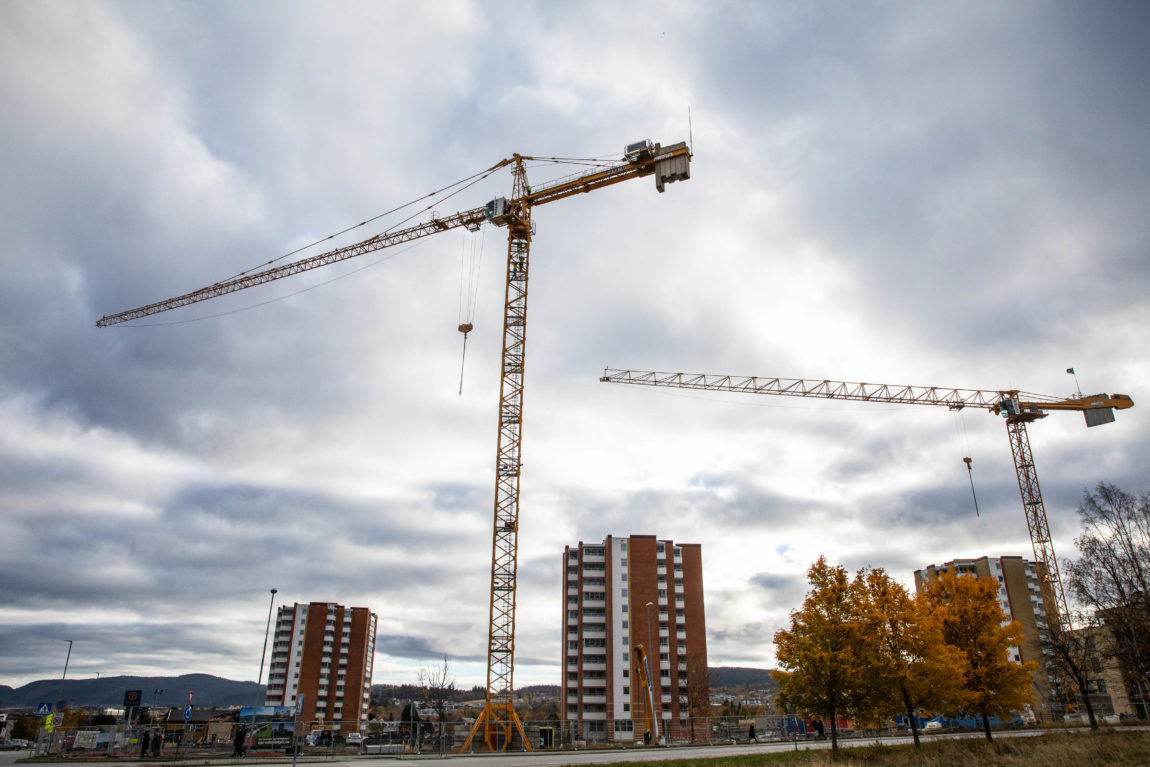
(66, 660)
(261, 676)
(651, 679)
(58, 718)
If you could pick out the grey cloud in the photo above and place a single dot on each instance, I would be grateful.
(952, 194)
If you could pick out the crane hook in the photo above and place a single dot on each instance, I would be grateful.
(465, 328)
(970, 475)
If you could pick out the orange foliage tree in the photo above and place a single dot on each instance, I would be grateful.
(972, 622)
(921, 673)
(829, 658)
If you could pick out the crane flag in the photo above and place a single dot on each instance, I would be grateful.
(1070, 371)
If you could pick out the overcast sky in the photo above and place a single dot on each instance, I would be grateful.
(950, 194)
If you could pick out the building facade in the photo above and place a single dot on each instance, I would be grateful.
(325, 652)
(1020, 594)
(617, 594)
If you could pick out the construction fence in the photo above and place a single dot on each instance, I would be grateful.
(218, 739)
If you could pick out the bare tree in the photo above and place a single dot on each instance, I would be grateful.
(1112, 578)
(1076, 656)
(438, 683)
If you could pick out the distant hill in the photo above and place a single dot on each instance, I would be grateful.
(108, 692)
(539, 691)
(730, 677)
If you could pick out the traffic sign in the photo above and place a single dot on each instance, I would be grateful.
(43, 709)
(188, 714)
(132, 697)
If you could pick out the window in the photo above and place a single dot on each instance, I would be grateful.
(624, 577)
(626, 707)
(623, 562)
(624, 624)
(626, 690)
(594, 642)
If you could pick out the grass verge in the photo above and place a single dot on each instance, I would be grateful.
(1060, 749)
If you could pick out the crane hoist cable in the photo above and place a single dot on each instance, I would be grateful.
(469, 269)
(963, 438)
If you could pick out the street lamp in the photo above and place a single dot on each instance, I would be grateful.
(66, 660)
(261, 676)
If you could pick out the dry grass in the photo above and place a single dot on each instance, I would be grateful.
(1062, 749)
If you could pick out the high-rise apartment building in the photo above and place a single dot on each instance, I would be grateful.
(617, 594)
(1020, 594)
(324, 652)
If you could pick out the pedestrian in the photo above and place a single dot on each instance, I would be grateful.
(144, 744)
(238, 742)
(819, 728)
(751, 733)
(157, 743)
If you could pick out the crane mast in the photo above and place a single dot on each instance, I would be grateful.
(1017, 408)
(498, 721)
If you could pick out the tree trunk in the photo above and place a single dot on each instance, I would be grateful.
(986, 727)
(834, 733)
(910, 715)
(1090, 711)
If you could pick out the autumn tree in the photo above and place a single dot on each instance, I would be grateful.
(829, 657)
(920, 671)
(972, 621)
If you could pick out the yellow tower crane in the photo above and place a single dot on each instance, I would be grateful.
(1018, 408)
(498, 721)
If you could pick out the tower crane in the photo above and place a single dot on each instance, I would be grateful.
(498, 720)
(1016, 407)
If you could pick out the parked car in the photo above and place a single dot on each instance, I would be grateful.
(355, 738)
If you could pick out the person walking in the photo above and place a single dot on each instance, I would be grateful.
(157, 743)
(144, 739)
(238, 742)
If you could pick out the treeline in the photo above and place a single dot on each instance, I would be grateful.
(384, 693)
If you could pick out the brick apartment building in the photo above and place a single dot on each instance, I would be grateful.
(1020, 594)
(623, 592)
(325, 652)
